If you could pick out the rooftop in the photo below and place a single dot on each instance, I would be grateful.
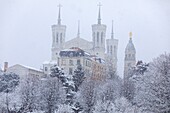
(73, 52)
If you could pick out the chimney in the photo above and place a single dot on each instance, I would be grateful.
(5, 66)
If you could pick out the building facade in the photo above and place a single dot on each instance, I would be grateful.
(71, 58)
(25, 71)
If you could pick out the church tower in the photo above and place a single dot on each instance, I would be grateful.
(112, 47)
(99, 34)
(130, 56)
(58, 37)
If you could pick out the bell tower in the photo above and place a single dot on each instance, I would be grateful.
(112, 47)
(130, 56)
(99, 34)
(58, 37)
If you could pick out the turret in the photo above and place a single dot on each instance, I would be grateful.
(112, 47)
(130, 56)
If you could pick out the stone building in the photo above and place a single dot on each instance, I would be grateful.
(25, 71)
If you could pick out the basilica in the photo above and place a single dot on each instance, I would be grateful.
(101, 47)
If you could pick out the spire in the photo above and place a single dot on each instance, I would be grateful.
(112, 34)
(59, 18)
(78, 32)
(99, 17)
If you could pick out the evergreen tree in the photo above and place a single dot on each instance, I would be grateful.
(134, 72)
(8, 82)
(152, 89)
(77, 107)
(78, 77)
(66, 81)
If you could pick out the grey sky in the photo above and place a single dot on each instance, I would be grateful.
(25, 27)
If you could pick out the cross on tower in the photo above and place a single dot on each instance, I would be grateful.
(99, 4)
(59, 5)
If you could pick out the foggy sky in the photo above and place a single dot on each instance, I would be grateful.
(25, 27)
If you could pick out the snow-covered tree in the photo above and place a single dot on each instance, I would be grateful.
(8, 83)
(29, 94)
(57, 72)
(64, 108)
(77, 107)
(78, 77)
(110, 90)
(129, 86)
(122, 105)
(87, 95)
(110, 68)
(52, 94)
(104, 107)
(66, 81)
(152, 92)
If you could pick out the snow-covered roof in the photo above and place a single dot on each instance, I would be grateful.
(78, 38)
(73, 52)
(50, 62)
(69, 49)
(87, 53)
(28, 67)
(98, 59)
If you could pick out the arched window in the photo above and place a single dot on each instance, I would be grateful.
(114, 49)
(61, 37)
(102, 38)
(111, 49)
(107, 49)
(129, 64)
(133, 55)
(94, 34)
(98, 37)
(57, 38)
(94, 43)
(53, 37)
(94, 38)
(129, 55)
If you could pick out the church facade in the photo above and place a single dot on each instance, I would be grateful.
(101, 46)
